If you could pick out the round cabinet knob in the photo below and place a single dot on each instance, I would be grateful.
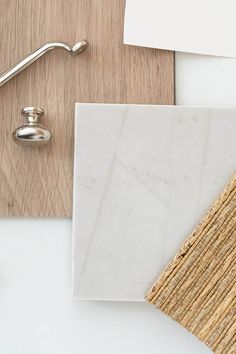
(32, 133)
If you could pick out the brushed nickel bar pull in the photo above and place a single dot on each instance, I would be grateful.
(78, 48)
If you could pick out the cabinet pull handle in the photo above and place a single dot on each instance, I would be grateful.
(32, 57)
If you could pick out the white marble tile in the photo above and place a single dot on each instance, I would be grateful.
(143, 178)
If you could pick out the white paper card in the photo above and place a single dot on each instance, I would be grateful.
(202, 26)
(143, 178)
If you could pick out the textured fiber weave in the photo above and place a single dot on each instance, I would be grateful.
(198, 288)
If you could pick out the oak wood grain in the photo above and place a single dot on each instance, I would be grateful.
(38, 182)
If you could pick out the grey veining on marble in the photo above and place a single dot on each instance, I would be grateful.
(143, 178)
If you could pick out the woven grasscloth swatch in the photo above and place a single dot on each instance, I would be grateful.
(198, 288)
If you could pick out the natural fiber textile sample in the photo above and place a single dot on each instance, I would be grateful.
(198, 288)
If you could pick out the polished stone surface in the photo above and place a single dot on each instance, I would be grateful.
(144, 177)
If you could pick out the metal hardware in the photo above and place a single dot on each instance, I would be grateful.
(27, 61)
(32, 133)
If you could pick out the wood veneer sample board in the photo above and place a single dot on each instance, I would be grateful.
(38, 182)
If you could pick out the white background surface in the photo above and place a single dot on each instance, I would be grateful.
(37, 312)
